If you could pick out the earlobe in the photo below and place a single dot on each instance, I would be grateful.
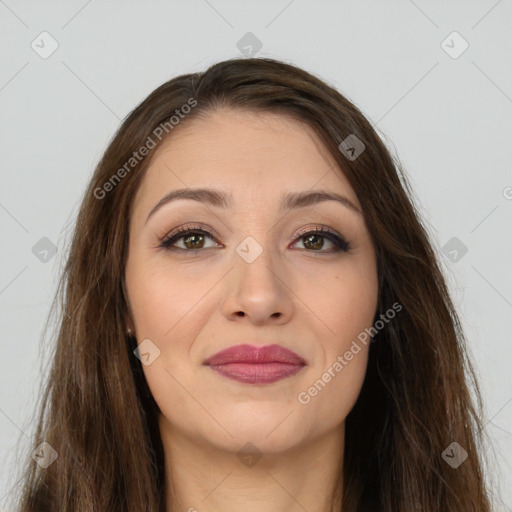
(130, 330)
(129, 327)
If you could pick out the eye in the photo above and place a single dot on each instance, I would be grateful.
(193, 239)
(314, 239)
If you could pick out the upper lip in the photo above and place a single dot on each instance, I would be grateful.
(253, 354)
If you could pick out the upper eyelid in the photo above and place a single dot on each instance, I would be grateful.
(324, 231)
(182, 231)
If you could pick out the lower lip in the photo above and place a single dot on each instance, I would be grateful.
(257, 373)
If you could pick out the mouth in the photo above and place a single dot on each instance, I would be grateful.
(256, 365)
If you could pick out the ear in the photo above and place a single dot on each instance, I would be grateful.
(129, 323)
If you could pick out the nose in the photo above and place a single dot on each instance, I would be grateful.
(258, 288)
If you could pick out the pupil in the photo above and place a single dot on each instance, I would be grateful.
(194, 244)
(319, 243)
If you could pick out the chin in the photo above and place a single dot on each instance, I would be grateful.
(271, 429)
(250, 442)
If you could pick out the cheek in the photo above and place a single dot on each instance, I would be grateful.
(347, 303)
(332, 389)
(332, 396)
(161, 296)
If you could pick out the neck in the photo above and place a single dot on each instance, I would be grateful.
(203, 478)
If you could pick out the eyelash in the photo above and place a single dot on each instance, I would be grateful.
(341, 245)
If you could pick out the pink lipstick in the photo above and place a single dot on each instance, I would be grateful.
(256, 365)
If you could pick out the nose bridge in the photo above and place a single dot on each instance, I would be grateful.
(255, 259)
(258, 243)
(257, 289)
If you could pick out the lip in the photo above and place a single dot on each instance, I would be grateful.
(256, 365)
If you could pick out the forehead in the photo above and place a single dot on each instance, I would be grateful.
(233, 150)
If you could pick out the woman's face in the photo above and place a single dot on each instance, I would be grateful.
(255, 278)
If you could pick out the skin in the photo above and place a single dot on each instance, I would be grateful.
(192, 305)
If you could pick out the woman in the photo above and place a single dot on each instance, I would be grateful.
(254, 318)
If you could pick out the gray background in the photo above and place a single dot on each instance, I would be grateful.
(448, 119)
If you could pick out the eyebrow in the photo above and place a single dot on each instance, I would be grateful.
(219, 199)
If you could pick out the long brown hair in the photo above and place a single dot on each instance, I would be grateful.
(97, 411)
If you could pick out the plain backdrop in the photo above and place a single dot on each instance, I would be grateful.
(434, 77)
